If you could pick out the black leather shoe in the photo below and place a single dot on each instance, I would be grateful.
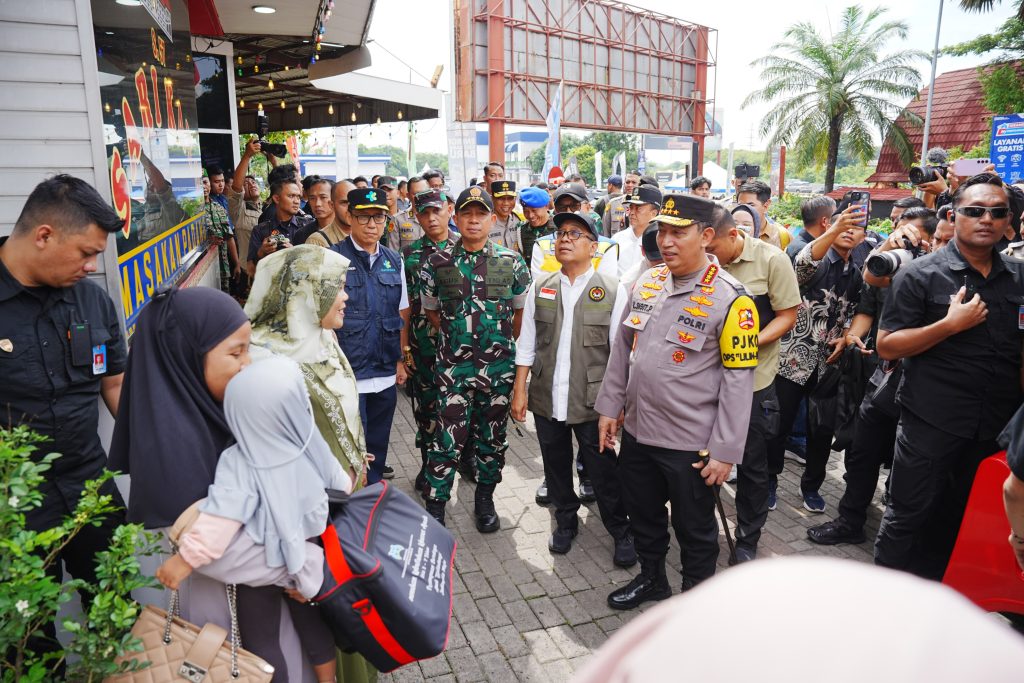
(625, 552)
(561, 541)
(835, 532)
(638, 591)
(486, 516)
(587, 491)
(387, 473)
(436, 510)
(542, 496)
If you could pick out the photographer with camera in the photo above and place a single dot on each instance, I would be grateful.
(955, 311)
(911, 238)
(874, 427)
(276, 233)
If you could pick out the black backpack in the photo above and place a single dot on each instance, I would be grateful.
(387, 591)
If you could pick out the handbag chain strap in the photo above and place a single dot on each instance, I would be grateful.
(236, 636)
(172, 611)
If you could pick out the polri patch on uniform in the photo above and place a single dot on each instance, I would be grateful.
(707, 290)
(746, 318)
(678, 356)
(647, 295)
(548, 293)
(637, 321)
(685, 337)
(702, 300)
(596, 293)
(653, 285)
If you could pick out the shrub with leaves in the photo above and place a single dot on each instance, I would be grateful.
(30, 593)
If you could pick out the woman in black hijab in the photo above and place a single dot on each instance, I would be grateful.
(169, 434)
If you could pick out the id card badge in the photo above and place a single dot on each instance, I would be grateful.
(99, 359)
(1020, 317)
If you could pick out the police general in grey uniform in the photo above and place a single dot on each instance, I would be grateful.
(682, 373)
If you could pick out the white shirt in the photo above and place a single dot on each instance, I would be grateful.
(526, 344)
(629, 249)
(374, 385)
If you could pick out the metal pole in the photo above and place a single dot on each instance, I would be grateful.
(931, 89)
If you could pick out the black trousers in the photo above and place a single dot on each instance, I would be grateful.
(752, 475)
(874, 438)
(819, 441)
(932, 473)
(556, 451)
(653, 476)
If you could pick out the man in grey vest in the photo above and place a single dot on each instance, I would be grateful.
(565, 341)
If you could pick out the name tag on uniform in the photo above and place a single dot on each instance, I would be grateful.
(99, 359)
(1020, 317)
(548, 293)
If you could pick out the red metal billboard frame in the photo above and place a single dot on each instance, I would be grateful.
(668, 97)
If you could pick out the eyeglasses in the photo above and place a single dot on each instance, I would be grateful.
(376, 218)
(996, 212)
(568, 207)
(571, 235)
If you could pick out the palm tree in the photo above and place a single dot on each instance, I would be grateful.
(986, 5)
(827, 88)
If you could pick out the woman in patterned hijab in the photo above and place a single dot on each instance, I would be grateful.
(296, 303)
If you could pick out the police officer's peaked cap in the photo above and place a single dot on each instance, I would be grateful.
(682, 210)
(574, 190)
(474, 195)
(367, 198)
(428, 198)
(503, 188)
(645, 194)
(576, 220)
(534, 197)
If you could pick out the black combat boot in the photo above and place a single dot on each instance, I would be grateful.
(650, 584)
(436, 509)
(486, 516)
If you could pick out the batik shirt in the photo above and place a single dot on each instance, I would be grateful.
(218, 226)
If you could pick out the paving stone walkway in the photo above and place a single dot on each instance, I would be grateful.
(523, 614)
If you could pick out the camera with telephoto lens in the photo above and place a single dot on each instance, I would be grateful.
(937, 166)
(886, 263)
(262, 128)
(746, 171)
(278, 239)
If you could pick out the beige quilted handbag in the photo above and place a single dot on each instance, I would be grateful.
(176, 650)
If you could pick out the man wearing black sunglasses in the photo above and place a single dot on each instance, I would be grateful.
(956, 318)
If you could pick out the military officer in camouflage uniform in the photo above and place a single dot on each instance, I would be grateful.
(681, 372)
(431, 207)
(474, 293)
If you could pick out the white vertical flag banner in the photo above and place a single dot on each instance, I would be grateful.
(553, 152)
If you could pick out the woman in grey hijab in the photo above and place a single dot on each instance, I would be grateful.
(267, 499)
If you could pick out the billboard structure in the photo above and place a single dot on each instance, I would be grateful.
(623, 68)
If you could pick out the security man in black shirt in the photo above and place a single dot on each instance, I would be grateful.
(956, 318)
(61, 348)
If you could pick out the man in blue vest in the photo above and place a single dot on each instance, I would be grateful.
(376, 322)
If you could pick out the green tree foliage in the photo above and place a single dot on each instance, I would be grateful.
(987, 5)
(1007, 42)
(30, 595)
(585, 147)
(829, 88)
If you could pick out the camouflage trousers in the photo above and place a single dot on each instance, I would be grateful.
(473, 416)
(427, 395)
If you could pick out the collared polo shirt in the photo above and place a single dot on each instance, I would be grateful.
(768, 276)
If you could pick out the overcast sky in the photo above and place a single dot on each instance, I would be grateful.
(418, 34)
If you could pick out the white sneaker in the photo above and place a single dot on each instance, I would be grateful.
(732, 475)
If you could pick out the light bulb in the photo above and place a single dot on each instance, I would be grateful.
(256, 68)
(260, 106)
(378, 120)
(353, 117)
(241, 104)
(270, 84)
(399, 114)
(300, 109)
(286, 67)
(330, 109)
(106, 107)
(282, 104)
(239, 60)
